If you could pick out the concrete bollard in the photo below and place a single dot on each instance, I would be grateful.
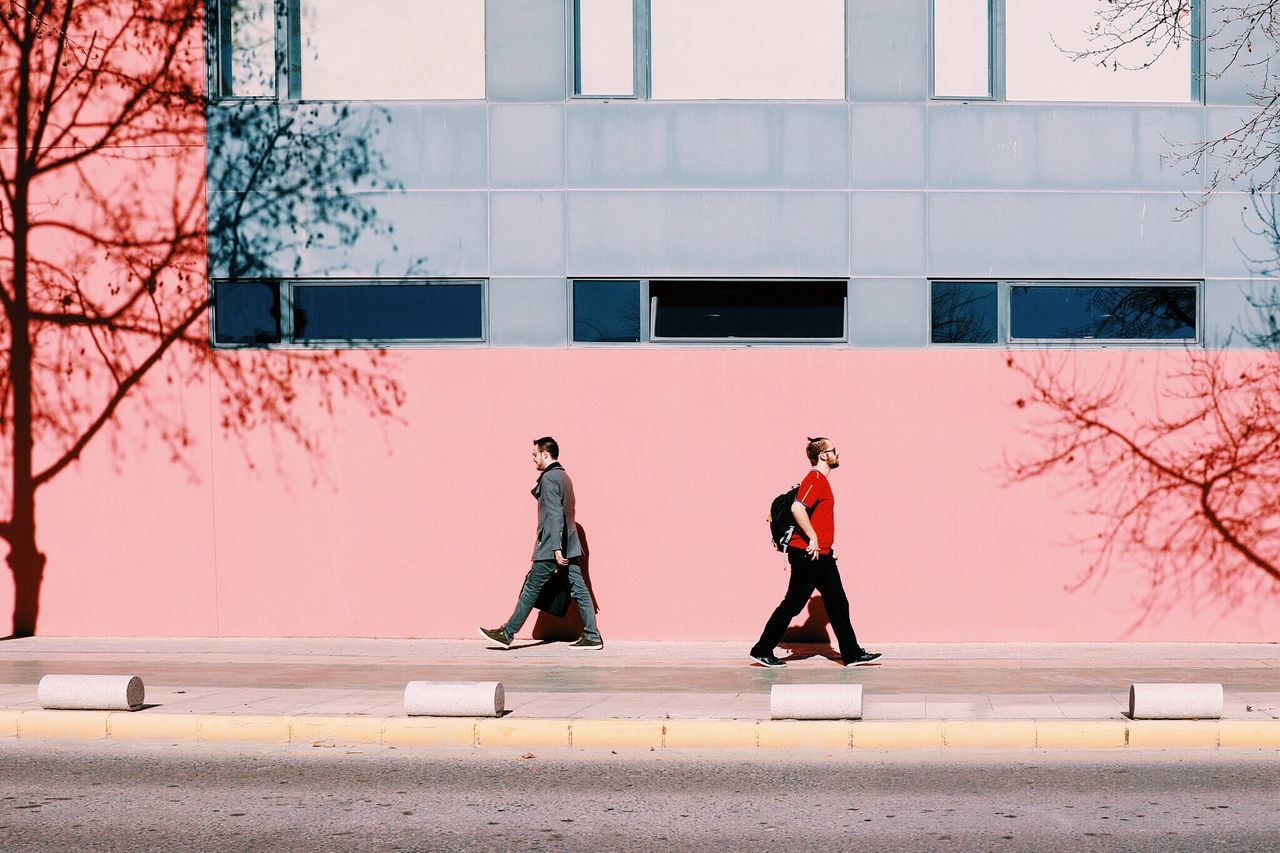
(90, 692)
(815, 702)
(1175, 701)
(454, 699)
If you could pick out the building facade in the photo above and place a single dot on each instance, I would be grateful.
(681, 236)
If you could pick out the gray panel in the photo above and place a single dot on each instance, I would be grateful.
(1062, 235)
(1040, 146)
(427, 146)
(526, 233)
(1223, 121)
(1236, 241)
(1227, 81)
(708, 234)
(888, 312)
(888, 233)
(528, 312)
(888, 143)
(888, 50)
(435, 233)
(525, 50)
(708, 145)
(1232, 313)
(526, 145)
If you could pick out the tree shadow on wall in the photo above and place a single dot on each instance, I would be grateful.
(810, 638)
(108, 236)
(568, 627)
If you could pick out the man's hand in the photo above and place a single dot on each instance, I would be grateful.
(560, 560)
(812, 548)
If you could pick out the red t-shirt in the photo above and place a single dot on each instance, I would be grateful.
(815, 493)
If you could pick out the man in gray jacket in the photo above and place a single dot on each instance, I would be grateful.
(557, 545)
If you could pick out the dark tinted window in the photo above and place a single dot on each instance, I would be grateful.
(964, 312)
(748, 309)
(388, 312)
(1102, 313)
(246, 312)
(606, 311)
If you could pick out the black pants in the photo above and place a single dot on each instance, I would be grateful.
(806, 576)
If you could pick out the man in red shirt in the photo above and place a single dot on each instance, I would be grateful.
(813, 563)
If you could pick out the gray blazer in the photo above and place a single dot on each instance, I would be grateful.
(556, 527)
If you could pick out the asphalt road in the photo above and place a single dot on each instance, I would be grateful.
(71, 797)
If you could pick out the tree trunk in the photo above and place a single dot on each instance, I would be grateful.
(27, 564)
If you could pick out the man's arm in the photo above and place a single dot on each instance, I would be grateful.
(800, 513)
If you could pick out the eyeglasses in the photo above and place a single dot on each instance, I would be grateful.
(832, 450)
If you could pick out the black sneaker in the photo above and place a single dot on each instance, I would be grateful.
(768, 660)
(864, 657)
(584, 643)
(498, 635)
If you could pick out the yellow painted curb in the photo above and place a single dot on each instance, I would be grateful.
(330, 730)
(611, 734)
(522, 733)
(127, 725)
(715, 734)
(1080, 734)
(63, 724)
(805, 734)
(897, 734)
(1249, 733)
(9, 723)
(989, 733)
(428, 731)
(245, 727)
(1173, 734)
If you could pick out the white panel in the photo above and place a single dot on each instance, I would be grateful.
(1040, 37)
(253, 48)
(961, 48)
(606, 47)
(748, 49)
(392, 49)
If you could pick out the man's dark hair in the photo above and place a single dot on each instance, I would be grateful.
(815, 447)
(548, 444)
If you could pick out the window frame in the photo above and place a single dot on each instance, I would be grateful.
(288, 341)
(642, 54)
(288, 66)
(997, 70)
(649, 307)
(1004, 314)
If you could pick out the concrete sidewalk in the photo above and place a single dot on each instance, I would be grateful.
(550, 688)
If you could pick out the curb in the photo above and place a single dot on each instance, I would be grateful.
(649, 735)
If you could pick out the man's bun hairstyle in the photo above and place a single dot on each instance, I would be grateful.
(548, 444)
(815, 447)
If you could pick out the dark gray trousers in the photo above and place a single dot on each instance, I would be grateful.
(537, 578)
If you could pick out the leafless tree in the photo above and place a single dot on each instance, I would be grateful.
(106, 240)
(1240, 34)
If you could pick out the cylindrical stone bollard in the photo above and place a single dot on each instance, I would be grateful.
(91, 692)
(454, 699)
(1175, 701)
(815, 702)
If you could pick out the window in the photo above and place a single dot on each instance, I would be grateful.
(748, 310)
(711, 49)
(1104, 312)
(246, 49)
(337, 50)
(961, 48)
(963, 312)
(1047, 312)
(606, 312)
(1034, 57)
(246, 312)
(604, 32)
(333, 312)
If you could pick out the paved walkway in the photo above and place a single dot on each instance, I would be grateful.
(644, 680)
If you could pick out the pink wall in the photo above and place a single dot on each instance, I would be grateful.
(423, 528)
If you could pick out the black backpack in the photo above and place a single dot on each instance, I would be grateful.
(781, 523)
